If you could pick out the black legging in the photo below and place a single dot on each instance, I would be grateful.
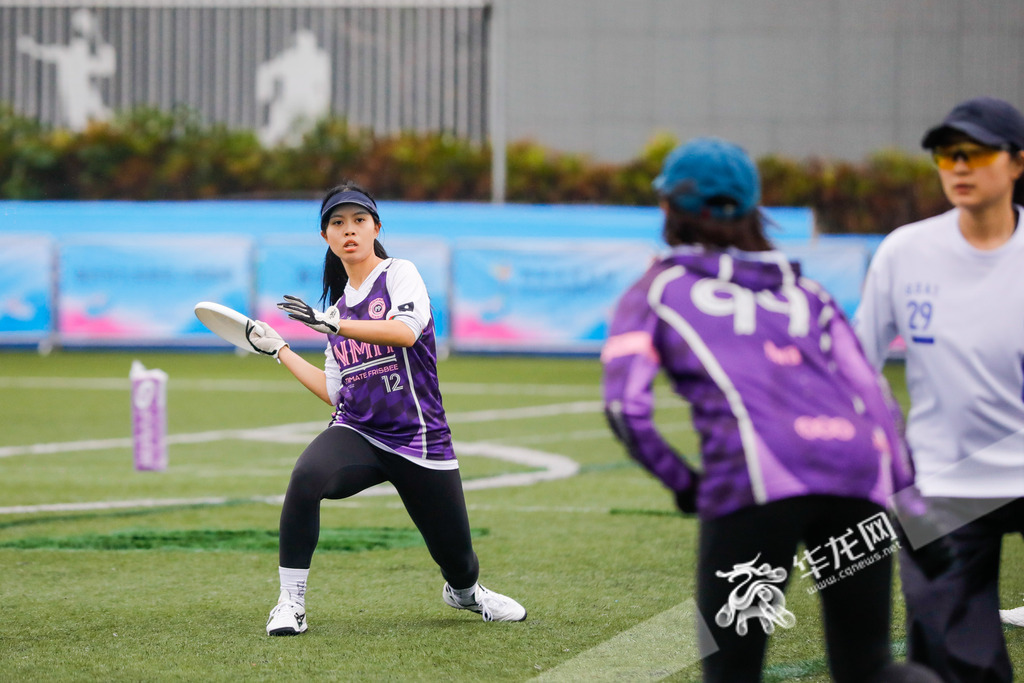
(855, 608)
(339, 463)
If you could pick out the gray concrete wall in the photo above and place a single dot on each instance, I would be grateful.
(837, 78)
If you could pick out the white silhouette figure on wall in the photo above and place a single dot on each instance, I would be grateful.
(297, 86)
(79, 63)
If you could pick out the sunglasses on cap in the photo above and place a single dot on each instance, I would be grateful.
(975, 156)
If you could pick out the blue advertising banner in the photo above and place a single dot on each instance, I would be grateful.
(433, 259)
(839, 268)
(549, 296)
(142, 290)
(285, 266)
(26, 288)
(118, 285)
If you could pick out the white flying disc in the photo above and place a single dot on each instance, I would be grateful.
(226, 323)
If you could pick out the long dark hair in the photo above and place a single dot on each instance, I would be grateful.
(335, 275)
(745, 233)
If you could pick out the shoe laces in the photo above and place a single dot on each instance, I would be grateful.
(288, 606)
(489, 603)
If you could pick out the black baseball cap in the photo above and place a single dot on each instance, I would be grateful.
(349, 197)
(988, 120)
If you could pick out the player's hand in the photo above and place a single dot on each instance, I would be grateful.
(686, 500)
(297, 309)
(266, 341)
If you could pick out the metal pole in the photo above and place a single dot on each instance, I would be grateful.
(496, 82)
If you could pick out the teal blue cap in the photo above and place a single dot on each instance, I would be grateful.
(710, 176)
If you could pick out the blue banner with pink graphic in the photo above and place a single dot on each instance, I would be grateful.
(547, 296)
(142, 290)
(501, 278)
(26, 288)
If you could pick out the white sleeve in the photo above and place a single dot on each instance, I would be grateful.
(874, 320)
(333, 372)
(409, 300)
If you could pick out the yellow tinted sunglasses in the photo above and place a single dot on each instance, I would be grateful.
(974, 157)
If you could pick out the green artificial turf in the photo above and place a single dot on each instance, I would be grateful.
(153, 576)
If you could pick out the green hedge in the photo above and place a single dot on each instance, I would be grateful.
(150, 154)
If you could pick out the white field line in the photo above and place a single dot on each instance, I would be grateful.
(302, 432)
(282, 386)
(553, 466)
(287, 433)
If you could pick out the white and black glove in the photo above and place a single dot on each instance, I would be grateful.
(264, 339)
(297, 309)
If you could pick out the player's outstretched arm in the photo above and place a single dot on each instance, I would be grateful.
(311, 377)
(264, 339)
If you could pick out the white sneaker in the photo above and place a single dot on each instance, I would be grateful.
(288, 618)
(490, 605)
(1014, 617)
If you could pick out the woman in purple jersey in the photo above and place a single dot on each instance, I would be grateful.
(799, 440)
(380, 375)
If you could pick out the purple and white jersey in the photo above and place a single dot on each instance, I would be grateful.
(388, 394)
(782, 397)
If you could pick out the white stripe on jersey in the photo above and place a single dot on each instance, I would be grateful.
(416, 400)
(715, 371)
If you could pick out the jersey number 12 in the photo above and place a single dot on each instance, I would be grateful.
(392, 382)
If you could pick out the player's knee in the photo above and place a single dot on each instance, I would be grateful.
(305, 482)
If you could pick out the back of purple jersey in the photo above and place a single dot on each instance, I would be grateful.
(389, 394)
(782, 397)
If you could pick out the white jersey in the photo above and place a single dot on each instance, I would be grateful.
(960, 311)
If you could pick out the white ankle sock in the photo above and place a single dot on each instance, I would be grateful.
(294, 581)
(465, 596)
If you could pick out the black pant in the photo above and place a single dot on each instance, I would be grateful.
(953, 622)
(339, 463)
(856, 607)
